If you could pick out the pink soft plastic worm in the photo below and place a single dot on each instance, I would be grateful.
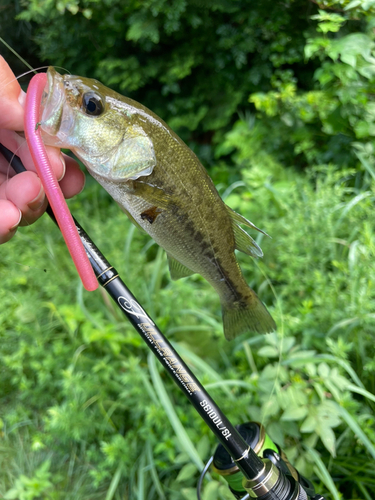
(50, 184)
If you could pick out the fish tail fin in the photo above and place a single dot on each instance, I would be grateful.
(249, 315)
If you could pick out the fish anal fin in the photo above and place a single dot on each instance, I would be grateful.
(178, 270)
(249, 316)
(245, 243)
(239, 219)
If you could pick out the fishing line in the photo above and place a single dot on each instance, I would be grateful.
(9, 166)
(16, 54)
(42, 67)
(32, 70)
(35, 70)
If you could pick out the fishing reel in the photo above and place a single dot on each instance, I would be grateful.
(278, 479)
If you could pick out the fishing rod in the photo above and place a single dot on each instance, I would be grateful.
(252, 465)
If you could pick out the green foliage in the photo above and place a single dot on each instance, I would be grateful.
(85, 413)
(333, 120)
(309, 71)
(29, 488)
(194, 63)
(77, 389)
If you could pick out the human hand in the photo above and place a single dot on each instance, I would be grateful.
(22, 198)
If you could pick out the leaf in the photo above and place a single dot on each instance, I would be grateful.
(287, 343)
(268, 352)
(299, 360)
(328, 21)
(188, 471)
(203, 447)
(211, 491)
(351, 46)
(328, 438)
(154, 474)
(328, 414)
(189, 493)
(353, 4)
(295, 413)
(332, 388)
(269, 408)
(323, 370)
(309, 425)
(12, 494)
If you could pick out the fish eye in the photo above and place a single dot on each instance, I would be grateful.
(92, 103)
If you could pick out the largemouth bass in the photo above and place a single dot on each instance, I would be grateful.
(161, 185)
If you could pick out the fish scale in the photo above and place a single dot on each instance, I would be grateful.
(161, 185)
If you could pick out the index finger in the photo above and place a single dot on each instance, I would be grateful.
(11, 96)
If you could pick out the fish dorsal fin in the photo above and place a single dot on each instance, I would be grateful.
(177, 269)
(244, 242)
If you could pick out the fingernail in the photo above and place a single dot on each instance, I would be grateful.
(64, 167)
(38, 201)
(13, 228)
(22, 98)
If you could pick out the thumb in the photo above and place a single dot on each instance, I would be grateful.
(11, 99)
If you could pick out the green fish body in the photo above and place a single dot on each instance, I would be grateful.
(161, 185)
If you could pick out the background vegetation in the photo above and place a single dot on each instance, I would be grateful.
(277, 99)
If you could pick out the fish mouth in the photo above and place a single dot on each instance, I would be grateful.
(53, 104)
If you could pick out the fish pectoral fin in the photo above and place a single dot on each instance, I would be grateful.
(239, 219)
(131, 218)
(152, 194)
(150, 214)
(178, 270)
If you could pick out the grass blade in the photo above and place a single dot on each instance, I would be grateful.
(318, 358)
(204, 367)
(361, 391)
(357, 430)
(175, 422)
(114, 483)
(141, 479)
(323, 474)
(154, 474)
(229, 383)
(364, 491)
